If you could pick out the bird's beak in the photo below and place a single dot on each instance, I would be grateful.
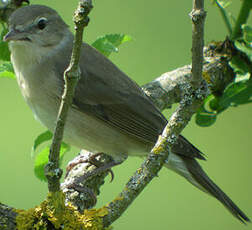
(15, 35)
(11, 35)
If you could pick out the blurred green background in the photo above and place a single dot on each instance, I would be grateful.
(162, 42)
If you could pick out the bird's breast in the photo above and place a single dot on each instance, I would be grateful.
(42, 91)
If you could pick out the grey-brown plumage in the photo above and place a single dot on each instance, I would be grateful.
(110, 112)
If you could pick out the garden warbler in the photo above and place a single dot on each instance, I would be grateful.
(110, 113)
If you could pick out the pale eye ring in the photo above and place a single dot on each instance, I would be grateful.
(42, 22)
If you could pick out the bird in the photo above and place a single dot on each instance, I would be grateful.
(110, 113)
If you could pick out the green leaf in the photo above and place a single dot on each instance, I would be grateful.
(245, 48)
(40, 139)
(216, 106)
(42, 159)
(4, 49)
(213, 104)
(237, 93)
(109, 43)
(238, 65)
(204, 117)
(40, 162)
(4, 3)
(6, 70)
(247, 33)
(242, 77)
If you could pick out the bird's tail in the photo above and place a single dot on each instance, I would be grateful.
(192, 171)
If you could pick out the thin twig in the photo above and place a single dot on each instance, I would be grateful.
(225, 17)
(242, 18)
(198, 16)
(71, 76)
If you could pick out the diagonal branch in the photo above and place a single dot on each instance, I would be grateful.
(194, 95)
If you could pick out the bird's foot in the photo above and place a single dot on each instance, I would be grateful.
(93, 161)
(101, 167)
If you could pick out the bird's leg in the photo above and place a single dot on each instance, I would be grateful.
(102, 168)
(97, 171)
(83, 193)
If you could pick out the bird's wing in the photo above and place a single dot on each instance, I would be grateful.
(108, 94)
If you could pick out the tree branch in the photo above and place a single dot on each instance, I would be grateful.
(198, 16)
(71, 76)
(9, 7)
(167, 89)
(86, 196)
(7, 218)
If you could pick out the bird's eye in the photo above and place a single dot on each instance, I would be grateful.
(42, 23)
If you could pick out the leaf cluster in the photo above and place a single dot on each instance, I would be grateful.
(6, 69)
(239, 91)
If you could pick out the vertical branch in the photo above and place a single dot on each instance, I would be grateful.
(198, 17)
(71, 76)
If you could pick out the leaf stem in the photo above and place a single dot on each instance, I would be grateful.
(225, 17)
(242, 18)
